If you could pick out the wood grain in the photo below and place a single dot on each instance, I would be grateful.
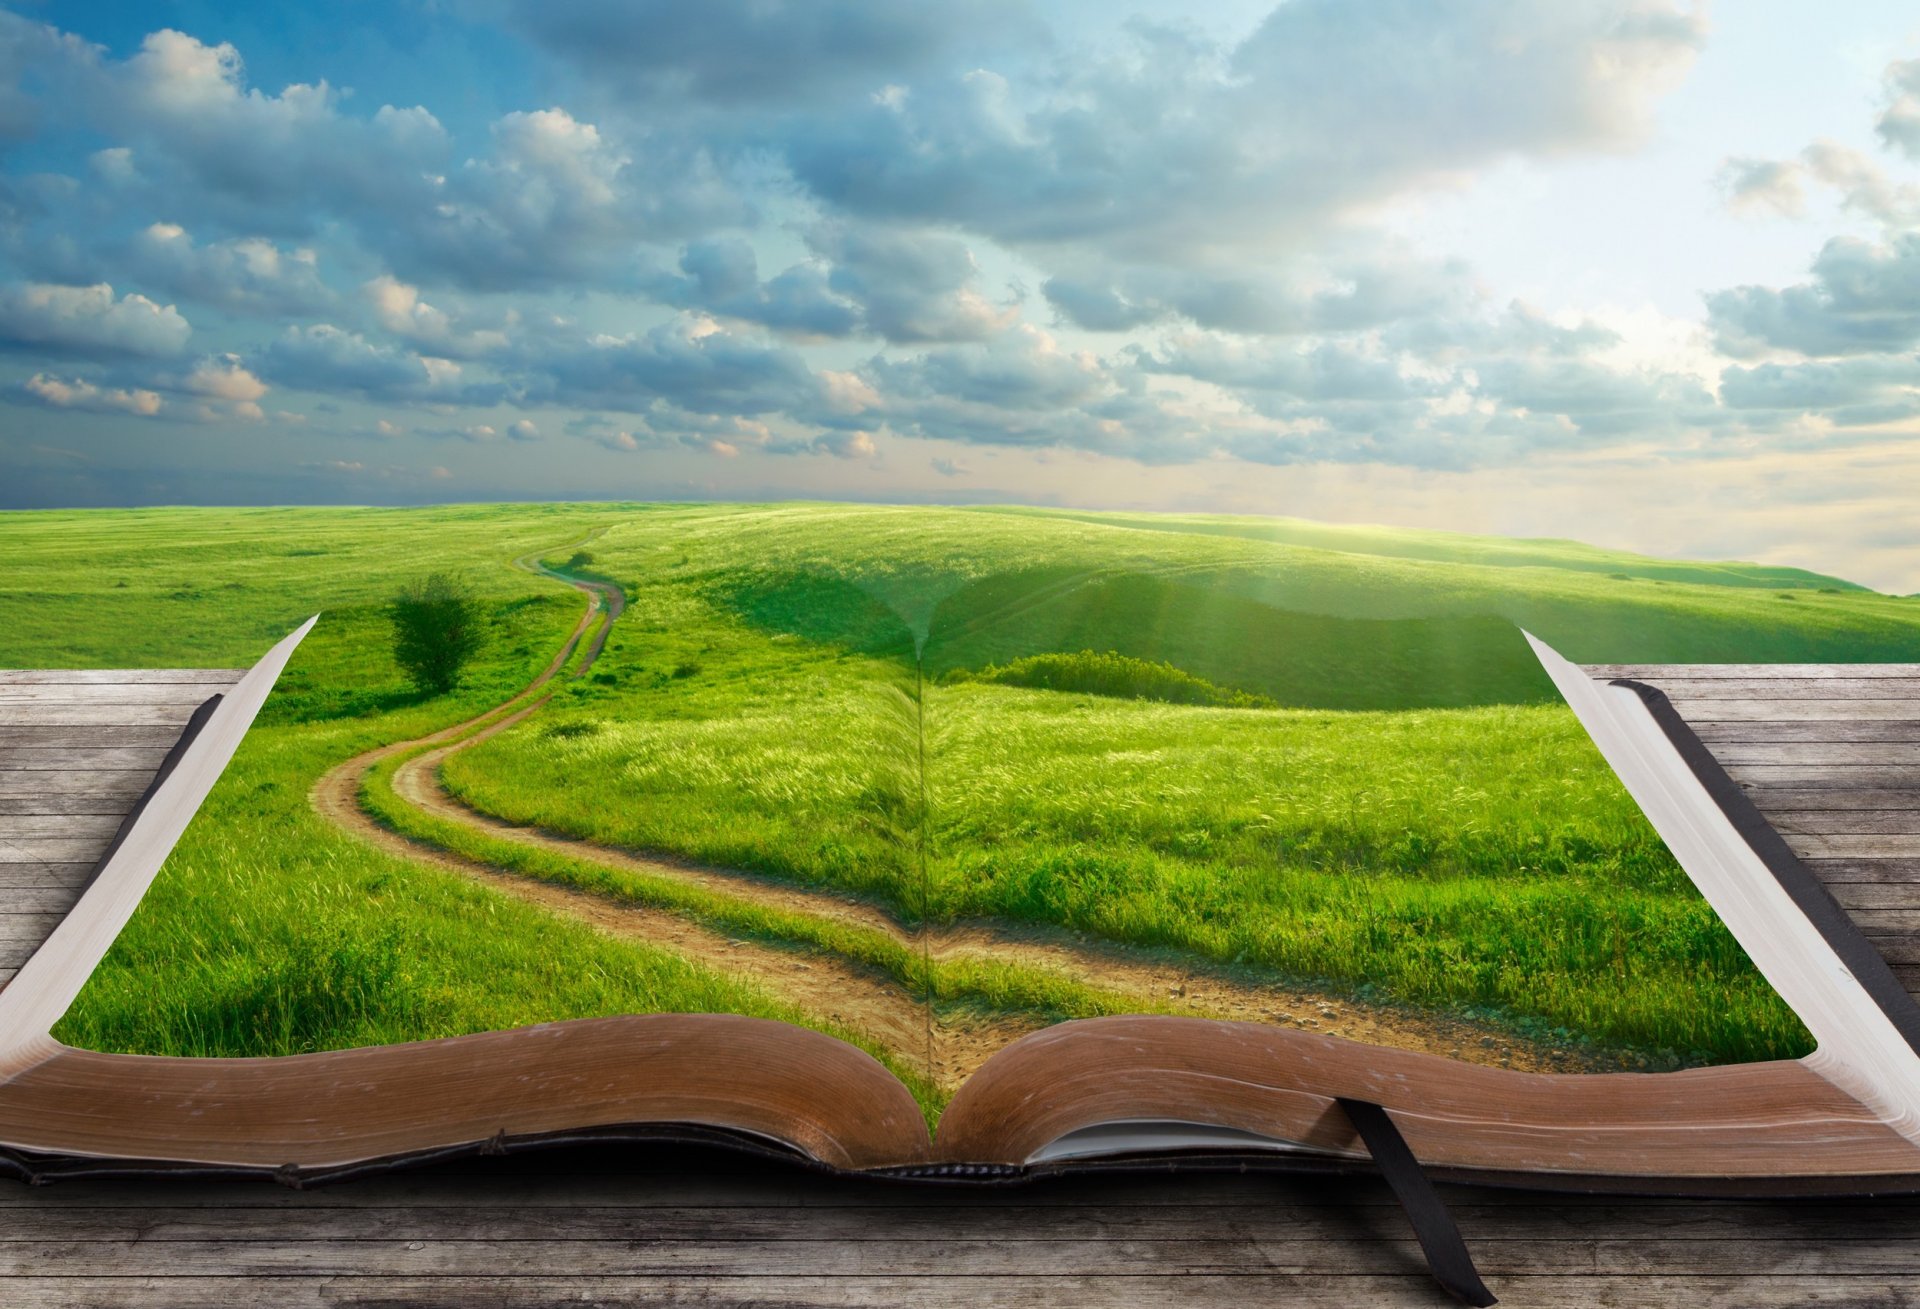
(49, 849)
(68, 825)
(1771, 672)
(1899, 709)
(84, 713)
(65, 735)
(13, 876)
(1770, 798)
(1680, 687)
(46, 899)
(702, 1228)
(213, 677)
(1882, 753)
(75, 758)
(116, 802)
(1896, 731)
(114, 694)
(42, 783)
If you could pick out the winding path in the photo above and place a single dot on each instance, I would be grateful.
(832, 988)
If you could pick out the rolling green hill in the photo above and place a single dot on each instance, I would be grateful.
(854, 700)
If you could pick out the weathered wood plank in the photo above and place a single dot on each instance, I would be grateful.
(1853, 847)
(38, 899)
(1908, 976)
(1865, 870)
(1787, 689)
(1830, 777)
(1876, 895)
(19, 876)
(95, 782)
(968, 1289)
(1844, 822)
(1653, 672)
(1897, 947)
(1717, 733)
(108, 734)
(214, 677)
(1803, 753)
(50, 849)
(69, 825)
(116, 803)
(111, 694)
(73, 713)
(1755, 710)
(850, 1291)
(68, 758)
(31, 927)
(1779, 798)
(608, 1231)
(1886, 921)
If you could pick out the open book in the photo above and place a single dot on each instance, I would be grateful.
(1075, 834)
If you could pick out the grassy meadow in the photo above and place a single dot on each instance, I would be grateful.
(1314, 755)
(1416, 819)
(269, 931)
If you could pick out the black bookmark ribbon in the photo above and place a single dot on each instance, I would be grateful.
(1438, 1234)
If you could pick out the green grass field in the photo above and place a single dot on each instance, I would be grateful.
(855, 699)
(269, 931)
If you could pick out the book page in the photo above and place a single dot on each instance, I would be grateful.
(931, 780)
(1214, 768)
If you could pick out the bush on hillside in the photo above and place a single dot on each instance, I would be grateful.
(437, 629)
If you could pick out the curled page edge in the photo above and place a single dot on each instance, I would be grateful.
(1858, 1048)
(50, 979)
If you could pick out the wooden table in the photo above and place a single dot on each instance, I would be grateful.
(704, 1228)
(1831, 753)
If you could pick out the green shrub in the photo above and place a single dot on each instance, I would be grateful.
(1107, 673)
(436, 631)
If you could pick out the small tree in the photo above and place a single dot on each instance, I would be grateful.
(436, 631)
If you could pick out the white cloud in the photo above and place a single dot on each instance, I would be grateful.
(89, 321)
(78, 393)
(1899, 124)
(247, 274)
(399, 308)
(1755, 185)
(910, 286)
(1864, 297)
(1178, 149)
(226, 388)
(766, 52)
(189, 104)
(557, 202)
(325, 358)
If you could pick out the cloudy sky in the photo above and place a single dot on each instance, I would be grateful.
(1635, 271)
